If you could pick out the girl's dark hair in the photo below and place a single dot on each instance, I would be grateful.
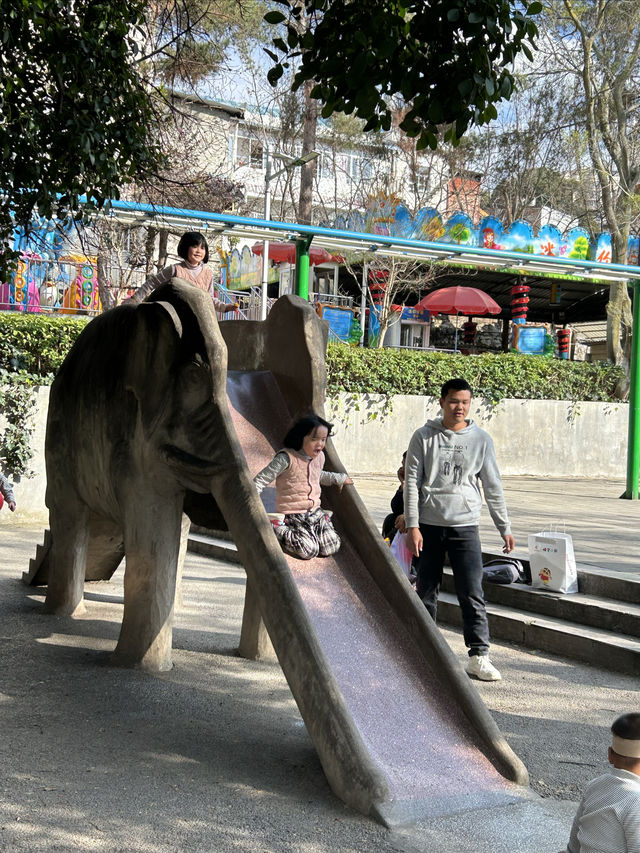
(190, 239)
(627, 726)
(303, 427)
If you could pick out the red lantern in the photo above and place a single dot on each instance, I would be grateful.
(519, 303)
(564, 337)
(469, 331)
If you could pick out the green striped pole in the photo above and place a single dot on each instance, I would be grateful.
(633, 441)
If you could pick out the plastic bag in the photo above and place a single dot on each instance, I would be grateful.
(401, 552)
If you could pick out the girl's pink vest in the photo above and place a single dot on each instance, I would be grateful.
(202, 280)
(298, 488)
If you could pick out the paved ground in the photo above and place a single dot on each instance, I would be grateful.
(213, 756)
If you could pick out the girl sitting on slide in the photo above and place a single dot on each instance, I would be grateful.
(303, 528)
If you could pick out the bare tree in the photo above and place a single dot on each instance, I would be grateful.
(595, 47)
(390, 282)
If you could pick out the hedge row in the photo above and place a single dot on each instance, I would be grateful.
(495, 377)
(32, 347)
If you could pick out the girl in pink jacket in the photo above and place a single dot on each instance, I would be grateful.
(303, 528)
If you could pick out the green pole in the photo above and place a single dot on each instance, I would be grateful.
(633, 441)
(302, 266)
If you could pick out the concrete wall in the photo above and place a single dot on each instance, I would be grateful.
(29, 491)
(537, 437)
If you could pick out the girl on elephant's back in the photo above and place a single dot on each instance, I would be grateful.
(194, 251)
(302, 527)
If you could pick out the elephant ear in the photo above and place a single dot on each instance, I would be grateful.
(201, 334)
(154, 354)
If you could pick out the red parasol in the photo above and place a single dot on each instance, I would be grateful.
(459, 300)
(286, 253)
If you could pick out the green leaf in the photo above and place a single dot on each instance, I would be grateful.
(274, 74)
(274, 17)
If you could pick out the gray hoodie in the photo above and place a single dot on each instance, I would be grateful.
(443, 473)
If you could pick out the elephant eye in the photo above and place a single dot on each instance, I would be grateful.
(194, 372)
(197, 376)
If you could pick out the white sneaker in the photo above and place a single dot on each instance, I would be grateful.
(481, 667)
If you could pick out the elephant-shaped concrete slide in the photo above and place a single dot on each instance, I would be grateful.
(148, 421)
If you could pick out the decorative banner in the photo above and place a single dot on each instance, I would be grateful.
(243, 270)
(490, 233)
(601, 252)
(459, 230)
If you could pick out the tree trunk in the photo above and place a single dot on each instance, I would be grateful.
(162, 249)
(308, 171)
(619, 326)
(149, 246)
(105, 290)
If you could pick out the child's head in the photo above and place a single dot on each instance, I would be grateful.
(624, 752)
(455, 385)
(190, 240)
(401, 469)
(308, 434)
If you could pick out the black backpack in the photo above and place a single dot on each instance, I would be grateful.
(504, 570)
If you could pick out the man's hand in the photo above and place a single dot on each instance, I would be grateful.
(12, 506)
(414, 540)
(399, 524)
(509, 544)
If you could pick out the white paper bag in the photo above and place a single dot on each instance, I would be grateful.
(401, 552)
(553, 563)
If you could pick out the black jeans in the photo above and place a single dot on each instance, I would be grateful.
(462, 544)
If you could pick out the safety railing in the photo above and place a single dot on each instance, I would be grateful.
(66, 286)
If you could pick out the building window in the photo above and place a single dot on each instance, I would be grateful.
(250, 151)
(326, 168)
(422, 181)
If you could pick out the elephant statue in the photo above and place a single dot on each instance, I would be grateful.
(138, 431)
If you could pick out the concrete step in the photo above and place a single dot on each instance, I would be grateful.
(38, 564)
(207, 531)
(596, 611)
(594, 581)
(213, 544)
(605, 648)
(585, 626)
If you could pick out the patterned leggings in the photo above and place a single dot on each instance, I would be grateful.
(307, 534)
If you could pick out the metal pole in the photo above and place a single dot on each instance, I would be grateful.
(363, 302)
(302, 267)
(633, 440)
(265, 243)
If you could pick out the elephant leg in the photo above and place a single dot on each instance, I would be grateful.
(152, 548)
(255, 643)
(69, 523)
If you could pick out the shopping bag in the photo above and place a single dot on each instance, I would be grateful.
(552, 561)
(401, 552)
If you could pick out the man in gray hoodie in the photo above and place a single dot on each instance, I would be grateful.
(447, 460)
